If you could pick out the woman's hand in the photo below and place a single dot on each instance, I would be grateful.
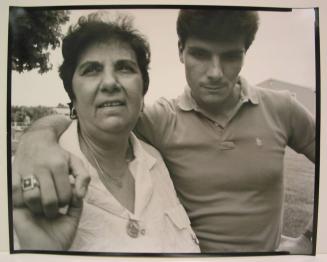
(36, 232)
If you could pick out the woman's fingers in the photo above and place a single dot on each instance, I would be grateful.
(82, 177)
(75, 208)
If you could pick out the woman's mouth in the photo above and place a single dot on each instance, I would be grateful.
(112, 104)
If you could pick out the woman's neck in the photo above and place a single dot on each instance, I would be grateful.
(108, 149)
(110, 158)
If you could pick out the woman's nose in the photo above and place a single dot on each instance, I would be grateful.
(109, 82)
(215, 69)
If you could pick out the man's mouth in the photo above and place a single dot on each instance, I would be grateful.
(214, 87)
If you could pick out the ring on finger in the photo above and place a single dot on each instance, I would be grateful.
(29, 183)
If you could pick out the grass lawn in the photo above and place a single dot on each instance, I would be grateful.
(299, 193)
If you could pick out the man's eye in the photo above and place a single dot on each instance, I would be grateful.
(92, 69)
(232, 57)
(198, 54)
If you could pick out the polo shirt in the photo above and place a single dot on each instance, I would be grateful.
(162, 221)
(229, 176)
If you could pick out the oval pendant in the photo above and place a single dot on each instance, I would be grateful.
(133, 228)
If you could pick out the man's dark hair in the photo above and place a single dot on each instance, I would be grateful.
(217, 24)
(93, 29)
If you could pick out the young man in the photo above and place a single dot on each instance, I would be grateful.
(223, 140)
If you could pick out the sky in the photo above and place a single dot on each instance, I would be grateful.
(283, 49)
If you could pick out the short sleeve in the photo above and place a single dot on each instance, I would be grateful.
(155, 123)
(303, 128)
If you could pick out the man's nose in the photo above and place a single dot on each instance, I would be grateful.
(109, 82)
(215, 68)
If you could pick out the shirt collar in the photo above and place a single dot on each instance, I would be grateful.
(140, 154)
(248, 94)
(140, 167)
(186, 101)
(69, 141)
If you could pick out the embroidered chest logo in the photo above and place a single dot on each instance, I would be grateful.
(259, 142)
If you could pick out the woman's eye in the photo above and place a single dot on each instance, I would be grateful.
(91, 69)
(125, 68)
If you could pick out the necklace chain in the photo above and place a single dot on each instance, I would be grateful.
(116, 180)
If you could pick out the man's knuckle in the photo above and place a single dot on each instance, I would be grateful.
(41, 163)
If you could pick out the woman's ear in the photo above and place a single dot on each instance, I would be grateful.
(73, 112)
(180, 51)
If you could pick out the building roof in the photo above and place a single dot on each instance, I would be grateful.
(304, 95)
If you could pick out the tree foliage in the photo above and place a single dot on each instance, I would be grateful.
(18, 113)
(32, 32)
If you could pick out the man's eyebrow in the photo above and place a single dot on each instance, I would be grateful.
(197, 48)
(234, 51)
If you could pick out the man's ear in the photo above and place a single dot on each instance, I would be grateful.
(180, 51)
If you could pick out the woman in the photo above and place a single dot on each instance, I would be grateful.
(131, 205)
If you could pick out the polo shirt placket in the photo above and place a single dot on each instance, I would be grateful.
(187, 103)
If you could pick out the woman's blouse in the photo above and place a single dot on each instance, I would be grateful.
(159, 222)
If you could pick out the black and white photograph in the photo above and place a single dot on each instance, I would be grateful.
(163, 130)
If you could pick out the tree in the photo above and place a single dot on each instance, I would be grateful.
(32, 32)
(33, 112)
(60, 105)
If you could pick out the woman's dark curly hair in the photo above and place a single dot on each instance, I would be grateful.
(93, 29)
(217, 24)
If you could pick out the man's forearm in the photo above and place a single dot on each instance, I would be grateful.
(55, 124)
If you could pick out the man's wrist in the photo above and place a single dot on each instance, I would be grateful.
(55, 124)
